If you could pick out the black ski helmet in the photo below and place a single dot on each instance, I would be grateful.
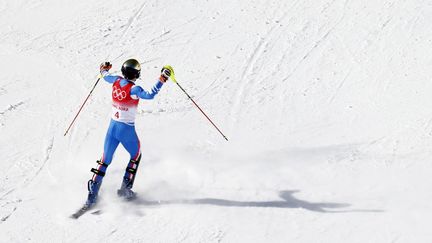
(131, 69)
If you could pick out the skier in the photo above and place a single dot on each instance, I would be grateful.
(125, 98)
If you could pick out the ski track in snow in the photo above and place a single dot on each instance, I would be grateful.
(247, 82)
(132, 20)
(47, 153)
(7, 216)
(11, 108)
(26, 180)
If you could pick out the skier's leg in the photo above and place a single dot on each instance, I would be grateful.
(95, 183)
(135, 156)
(131, 143)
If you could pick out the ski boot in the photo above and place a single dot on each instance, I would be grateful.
(125, 190)
(95, 183)
(93, 188)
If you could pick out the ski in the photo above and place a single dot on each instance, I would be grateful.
(97, 212)
(84, 209)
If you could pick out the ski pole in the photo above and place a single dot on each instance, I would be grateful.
(88, 96)
(199, 108)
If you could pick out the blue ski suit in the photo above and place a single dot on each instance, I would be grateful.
(125, 96)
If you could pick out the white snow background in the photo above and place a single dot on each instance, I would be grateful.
(326, 104)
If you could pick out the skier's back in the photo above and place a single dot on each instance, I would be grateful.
(125, 99)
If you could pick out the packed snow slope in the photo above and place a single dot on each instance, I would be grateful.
(326, 105)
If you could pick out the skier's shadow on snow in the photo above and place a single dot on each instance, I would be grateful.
(289, 201)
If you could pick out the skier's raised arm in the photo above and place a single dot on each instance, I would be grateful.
(139, 92)
(104, 70)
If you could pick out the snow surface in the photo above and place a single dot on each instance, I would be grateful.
(326, 104)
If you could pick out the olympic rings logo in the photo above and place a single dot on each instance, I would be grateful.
(118, 94)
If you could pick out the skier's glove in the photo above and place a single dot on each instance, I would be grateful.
(165, 74)
(105, 66)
